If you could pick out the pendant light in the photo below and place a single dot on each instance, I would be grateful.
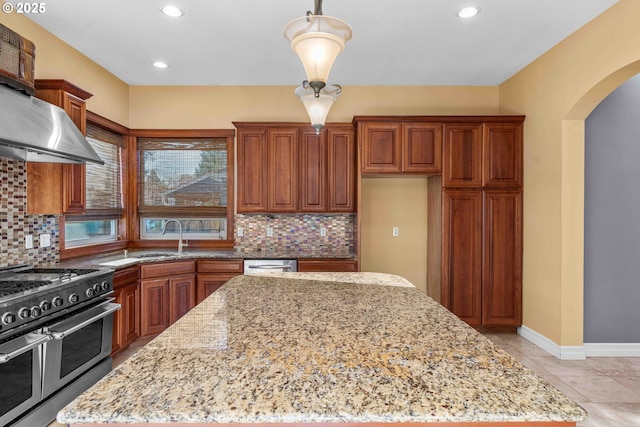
(318, 40)
(318, 106)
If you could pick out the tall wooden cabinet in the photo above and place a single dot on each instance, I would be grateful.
(287, 167)
(481, 278)
(54, 188)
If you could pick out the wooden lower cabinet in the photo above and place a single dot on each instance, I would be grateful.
(167, 292)
(126, 321)
(212, 274)
(482, 256)
(327, 265)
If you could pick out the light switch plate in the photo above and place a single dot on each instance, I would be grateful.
(45, 240)
(323, 231)
(28, 241)
(395, 232)
(240, 232)
(269, 232)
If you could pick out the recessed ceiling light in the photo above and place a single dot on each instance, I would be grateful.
(468, 12)
(160, 64)
(172, 11)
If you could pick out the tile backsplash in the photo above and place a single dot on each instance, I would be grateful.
(16, 224)
(299, 232)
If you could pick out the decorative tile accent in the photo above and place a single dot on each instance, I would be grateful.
(15, 224)
(296, 232)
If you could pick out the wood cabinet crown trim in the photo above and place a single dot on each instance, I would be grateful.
(441, 119)
(60, 84)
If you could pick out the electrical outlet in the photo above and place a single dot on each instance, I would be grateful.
(395, 232)
(323, 231)
(240, 232)
(45, 240)
(28, 241)
(269, 232)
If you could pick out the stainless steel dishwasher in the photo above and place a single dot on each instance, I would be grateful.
(257, 266)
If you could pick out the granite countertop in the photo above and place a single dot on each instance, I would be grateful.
(98, 260)
(304, 348)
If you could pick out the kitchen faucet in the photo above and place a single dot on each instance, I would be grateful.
(180, 244)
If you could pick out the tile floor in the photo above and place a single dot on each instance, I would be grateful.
(608, 388)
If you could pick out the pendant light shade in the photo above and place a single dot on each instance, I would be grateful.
(318, 40)
(318, 106)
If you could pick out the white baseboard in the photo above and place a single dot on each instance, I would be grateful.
(561, 352)
(612, 349)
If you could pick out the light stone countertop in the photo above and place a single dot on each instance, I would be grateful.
(283, 350)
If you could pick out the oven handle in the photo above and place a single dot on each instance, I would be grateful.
(271, 267)
(37, 340)
(69, 326)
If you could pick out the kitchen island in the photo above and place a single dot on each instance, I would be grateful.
(321, 348)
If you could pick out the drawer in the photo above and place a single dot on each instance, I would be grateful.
(221, 266)
(166, 269)
(327, 265)
(126, 276)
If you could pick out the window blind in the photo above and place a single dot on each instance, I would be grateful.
(183, 174)
(104, 182)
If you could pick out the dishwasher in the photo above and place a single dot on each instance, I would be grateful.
(257, 266)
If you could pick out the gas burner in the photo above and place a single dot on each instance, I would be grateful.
(8, 287)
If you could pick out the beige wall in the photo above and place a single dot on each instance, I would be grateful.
(556, 93)
(216, 107)
(388, 203)
(57, 60)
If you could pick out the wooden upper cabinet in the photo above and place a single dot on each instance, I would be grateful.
(502, 163)
(54, 188)
(422, 148)
(381, 148)
(341, 166)
(252, 170)
(282, 170)
(462, 155)
(287, 167)
(313, 171)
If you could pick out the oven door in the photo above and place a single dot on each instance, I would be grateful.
(78, 343)
(20, 375)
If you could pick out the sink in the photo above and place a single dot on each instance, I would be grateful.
(153, 255)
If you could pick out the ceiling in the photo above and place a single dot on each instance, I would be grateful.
(240, 42)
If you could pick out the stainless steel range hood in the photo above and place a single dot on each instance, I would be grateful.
(35, 131)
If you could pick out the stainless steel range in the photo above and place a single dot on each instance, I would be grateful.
(55, 339)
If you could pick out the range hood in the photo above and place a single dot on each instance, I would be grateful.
(33, 130)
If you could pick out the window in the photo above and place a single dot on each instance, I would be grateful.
(185, 179)
(103, 183)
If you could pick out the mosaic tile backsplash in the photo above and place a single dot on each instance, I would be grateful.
(299, 232)
(15, 224)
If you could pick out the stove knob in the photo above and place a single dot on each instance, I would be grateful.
(73, 298)
(23, 313)
(97, 288)
(8, 318)
(89, 293)
(105, 286)
(45, 306)
(35, 311)
(57, 301)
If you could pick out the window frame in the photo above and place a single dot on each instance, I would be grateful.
(121, 217)
(135, 214)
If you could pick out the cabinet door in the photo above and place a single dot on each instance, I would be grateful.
(313, 171)
(209, 283)
(182, 296)
(154, 306)
(341, 170)
(282, 151)
(502, 146)
(462, 155)
(130, 300)
(381, 147)
(422, 148)
(117, 341)
(502, 263)
(252, 170)
(462, 254)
